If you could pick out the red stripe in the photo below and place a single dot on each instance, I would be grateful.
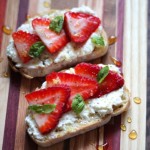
(108, 135)
(2, 18)
(112, 133)
(117, 120)
(112, 130)
(23, 11)
(120, 22)
(12, 109)
(14, 91)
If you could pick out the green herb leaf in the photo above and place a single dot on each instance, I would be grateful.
(102, 74)
(98, 41)
(78, 104)
(42, 109)
(36, 49)
(57, 24)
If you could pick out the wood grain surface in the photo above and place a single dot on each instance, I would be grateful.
(135, 70)
(127, 19)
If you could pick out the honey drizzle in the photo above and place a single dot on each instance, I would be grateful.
(123, 127)
(137, 100)
(7, 30)
(46, 4)
(28, 17)
(133, 135)
(112, 40)
(5, 74)
(116, 62)
(129, 120)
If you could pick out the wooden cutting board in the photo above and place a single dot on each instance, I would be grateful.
(124, 19)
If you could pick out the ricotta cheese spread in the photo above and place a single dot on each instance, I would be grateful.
(69, 52)
(95, 108)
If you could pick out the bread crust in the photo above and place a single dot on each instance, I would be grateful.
(68, 134)
(85, 127)
(42, 71)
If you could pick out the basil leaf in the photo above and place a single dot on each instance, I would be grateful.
(42, 109)
(98, 41)
(102, 74)
(36, 49)
(57, 24)
(78, 104)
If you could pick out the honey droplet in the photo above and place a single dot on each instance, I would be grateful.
(46, 4)
(112, 40)
(7, 30)
(28, 17)
(116, 62)
(5, 74)
(129, 120)
(123, 127)
(103, 147)
(1, 59)
(100, 147)
(137, 100)
(133, 135)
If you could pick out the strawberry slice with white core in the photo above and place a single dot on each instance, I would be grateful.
(54, 95)
(78, 85)
(79, 26)
(112, 82)
(23, 41)
(53, 41)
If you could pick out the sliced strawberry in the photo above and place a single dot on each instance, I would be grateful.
(53, 41)
(79, 26)
(112, 82)
(23, 41)
(78, 85)
(54, 95)
(87, 70)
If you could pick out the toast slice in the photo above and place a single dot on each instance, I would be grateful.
(30, 71)
(80, 125)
